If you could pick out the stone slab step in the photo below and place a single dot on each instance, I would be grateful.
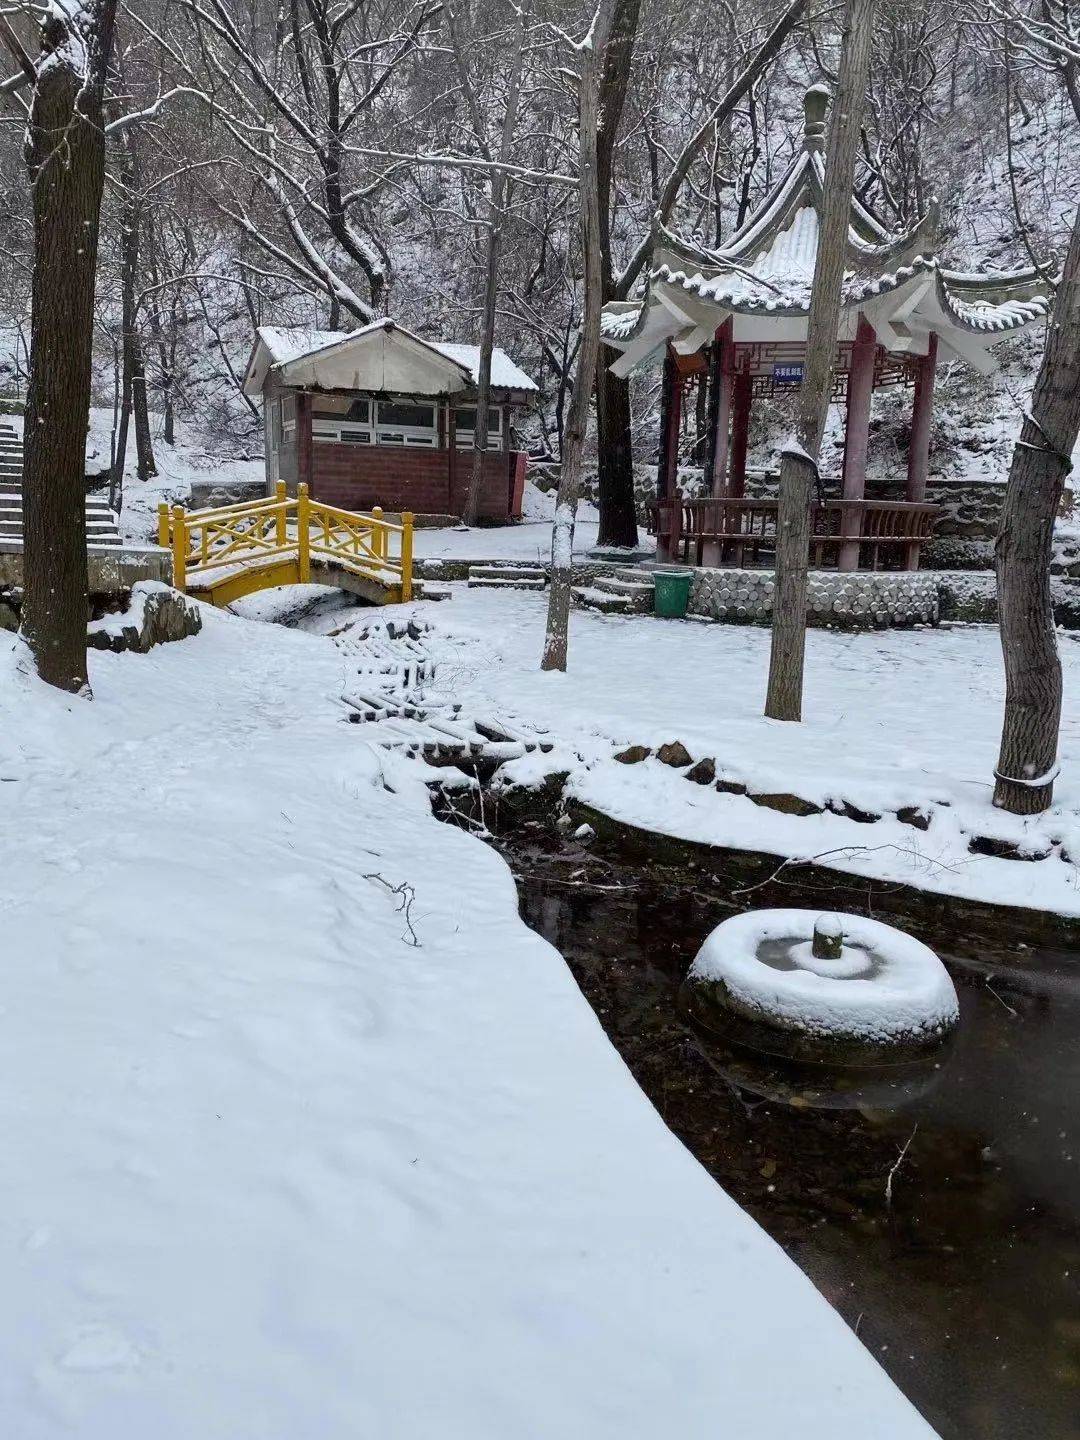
(616, 585)
(431, 590)
(489, 582)
(590, 598)
(508, 572)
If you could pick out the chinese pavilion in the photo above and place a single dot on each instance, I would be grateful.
(736, 319)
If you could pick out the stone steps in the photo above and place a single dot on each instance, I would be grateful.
(431, 590)
(507, 577)
(636, 589)
(591, 597)
(490, 583)
(101, 526)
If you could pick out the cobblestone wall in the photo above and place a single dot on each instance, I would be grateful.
(859, 601)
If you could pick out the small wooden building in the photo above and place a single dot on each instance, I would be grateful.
(378, 416)
(735, 320)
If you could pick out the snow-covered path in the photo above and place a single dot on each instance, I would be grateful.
(271, 1171)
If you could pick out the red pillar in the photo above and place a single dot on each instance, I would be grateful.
(742, 394)
(922, 415)
(305, 451)
(857, 429)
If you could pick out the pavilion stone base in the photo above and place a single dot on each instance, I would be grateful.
(863, 600)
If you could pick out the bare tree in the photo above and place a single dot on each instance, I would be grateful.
(1026, 766)
(615, 460)
(618, 524)
(799, 464)
(65, 156)
(498, 196)
(590, 53)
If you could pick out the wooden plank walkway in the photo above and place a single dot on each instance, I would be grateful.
(396, 698)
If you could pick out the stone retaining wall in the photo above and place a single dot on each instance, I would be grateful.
(862, 600)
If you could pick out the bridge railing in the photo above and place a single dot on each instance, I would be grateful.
(284, 527)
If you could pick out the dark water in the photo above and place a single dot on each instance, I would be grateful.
(965, 1280)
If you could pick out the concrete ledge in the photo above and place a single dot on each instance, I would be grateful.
(111, 570)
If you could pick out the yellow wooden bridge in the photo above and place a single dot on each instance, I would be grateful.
(222, 554)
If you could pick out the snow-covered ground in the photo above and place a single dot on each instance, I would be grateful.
(892, 719)
(285, 1159)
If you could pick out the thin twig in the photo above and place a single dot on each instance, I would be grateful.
(899, 1161)
(406, 895)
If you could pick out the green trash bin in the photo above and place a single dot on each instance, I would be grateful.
(673, 592)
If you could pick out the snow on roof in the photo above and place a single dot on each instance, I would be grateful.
(504, 373)
(766, 269)
(289, 343)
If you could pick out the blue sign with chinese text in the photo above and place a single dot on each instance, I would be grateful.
(787, 374)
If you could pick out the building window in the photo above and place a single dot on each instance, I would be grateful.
(288, 420)
(406, 422)
(342, 419)
(465, 427)
(345, 420)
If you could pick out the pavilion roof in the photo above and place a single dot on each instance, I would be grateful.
(763, 276)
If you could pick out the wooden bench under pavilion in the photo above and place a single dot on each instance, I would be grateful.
(735, 320)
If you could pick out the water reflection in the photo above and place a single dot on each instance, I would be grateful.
(817, 1087)
(962, 1275)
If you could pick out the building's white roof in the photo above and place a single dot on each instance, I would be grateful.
(288, 344)
(504, 373)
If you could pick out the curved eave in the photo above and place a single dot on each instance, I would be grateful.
(969, 308)
(858, 289)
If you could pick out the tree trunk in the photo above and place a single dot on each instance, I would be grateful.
(1029, 738)
(66, 161)
(134, 359)
(615, 481)
(615, 456)
(591, 58)
(146, 465)
(798, 470)
(496, 222)
(487, 343)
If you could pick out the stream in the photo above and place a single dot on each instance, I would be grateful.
(938, 1208)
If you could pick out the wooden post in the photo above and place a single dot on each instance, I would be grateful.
(857, 432)
(281, 534)
(406, 555)
(163, 525)
(305, 449)
(179, 548)
(378, 532)
(922, 415)
(451, 458)
(303, 533)
(828, 941)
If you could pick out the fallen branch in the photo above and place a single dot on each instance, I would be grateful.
(898, 1162)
